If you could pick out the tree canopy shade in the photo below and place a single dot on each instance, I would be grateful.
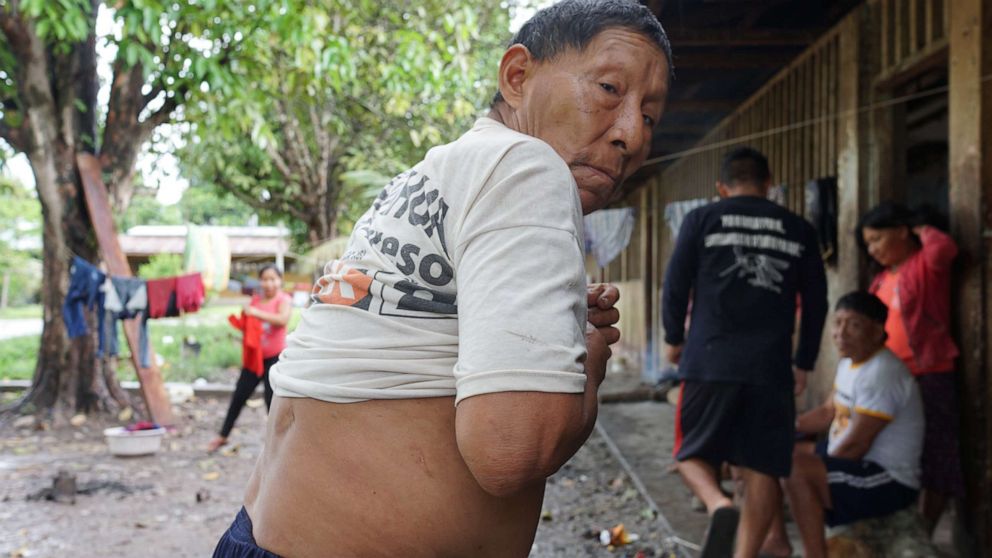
(340, 92)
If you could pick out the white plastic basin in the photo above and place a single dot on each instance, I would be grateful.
(139, 442)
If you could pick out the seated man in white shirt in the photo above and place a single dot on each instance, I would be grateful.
(875, 418)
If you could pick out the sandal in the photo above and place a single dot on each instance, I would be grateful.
(720, 535)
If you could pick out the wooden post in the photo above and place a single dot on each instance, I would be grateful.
(970, 151)
(98, 204)
(848, 155)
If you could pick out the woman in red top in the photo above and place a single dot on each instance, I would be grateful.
(273, 309)
(914, 281)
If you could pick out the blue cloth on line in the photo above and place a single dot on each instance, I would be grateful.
(84, 295)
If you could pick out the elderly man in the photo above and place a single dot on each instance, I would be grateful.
(448, 366)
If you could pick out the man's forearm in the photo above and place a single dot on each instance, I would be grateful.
(815, 421)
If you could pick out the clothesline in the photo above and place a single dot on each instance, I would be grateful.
(801, 124)
(115, 298)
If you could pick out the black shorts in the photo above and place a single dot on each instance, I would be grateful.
(861, 490)
(239, 542)
(744, 425)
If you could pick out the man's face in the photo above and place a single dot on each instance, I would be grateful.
(597, 108)
(856, 336)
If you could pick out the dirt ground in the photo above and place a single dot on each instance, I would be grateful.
(178, 502)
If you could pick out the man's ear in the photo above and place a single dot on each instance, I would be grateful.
(513, 71)
(722, 189)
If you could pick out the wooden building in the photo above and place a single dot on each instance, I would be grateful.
(892, 98)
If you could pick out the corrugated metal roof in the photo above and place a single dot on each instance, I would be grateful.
(243, 244)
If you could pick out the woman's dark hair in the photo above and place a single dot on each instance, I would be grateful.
(267, 267)
(574, 24)
(886, 215)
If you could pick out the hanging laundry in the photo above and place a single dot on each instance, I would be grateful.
(675, 213)
(251, 342)
(161, 295)
(134, 294)
(208, 251)
(111, 302)
(84, 294)
(220, 252)
(189, 292)
(131, 294)
(607, 233)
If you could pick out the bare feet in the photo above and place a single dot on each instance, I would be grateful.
(216, 444)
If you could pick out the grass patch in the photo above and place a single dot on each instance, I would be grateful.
(220, 348)
(18, 356)
(21, 312)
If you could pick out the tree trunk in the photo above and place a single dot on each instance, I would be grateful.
(67, 378)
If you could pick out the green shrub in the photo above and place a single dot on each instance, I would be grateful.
(220, 348)
(161, 265)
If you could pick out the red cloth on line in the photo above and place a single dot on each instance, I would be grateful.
(159, 292)
(251, 342)
(189, 292)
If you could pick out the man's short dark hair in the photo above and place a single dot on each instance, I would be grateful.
(572, 24)
(745, 166)
(866, 304)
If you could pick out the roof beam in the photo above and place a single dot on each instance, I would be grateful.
(731, 61)
(738, 37)
(701, 105)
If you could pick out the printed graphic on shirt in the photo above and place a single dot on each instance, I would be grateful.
(842, 418)
(757, 241)
(400, 227)
(752, 223)
(761, 270)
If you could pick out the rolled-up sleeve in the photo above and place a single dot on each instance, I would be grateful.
(521, 283)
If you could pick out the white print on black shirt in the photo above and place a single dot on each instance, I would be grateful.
(762, 270)
(752, 223)
(758, 241)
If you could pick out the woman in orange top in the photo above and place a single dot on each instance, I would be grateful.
(914, 281)
(273, 309)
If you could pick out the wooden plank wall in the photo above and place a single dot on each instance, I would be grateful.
(796, 120)
(912, 35)
(792, 119)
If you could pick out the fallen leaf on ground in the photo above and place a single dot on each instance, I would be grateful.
(126, 414)
(211, 476)
(78, 420)
(230, 450)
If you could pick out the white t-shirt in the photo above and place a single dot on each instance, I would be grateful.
(882, 387)
(465, 277)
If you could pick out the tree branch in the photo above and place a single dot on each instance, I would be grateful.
(253, 201)
(13, 136)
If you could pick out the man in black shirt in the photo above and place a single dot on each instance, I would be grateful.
(743, 262)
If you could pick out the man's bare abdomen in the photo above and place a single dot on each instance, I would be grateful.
(378, 478)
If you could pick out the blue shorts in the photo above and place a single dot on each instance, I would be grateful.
(861, 490)
(238, 542)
